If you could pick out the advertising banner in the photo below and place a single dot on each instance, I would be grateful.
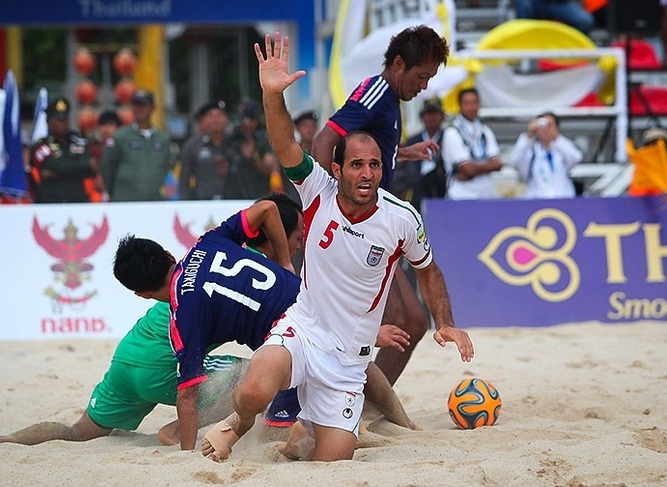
(57, 281)
(87, 12)
(544, 262)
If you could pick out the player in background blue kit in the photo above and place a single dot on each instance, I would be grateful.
(412, 58)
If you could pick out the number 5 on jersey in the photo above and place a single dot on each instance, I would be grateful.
(328, 234)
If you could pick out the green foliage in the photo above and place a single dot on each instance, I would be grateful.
(44, 56)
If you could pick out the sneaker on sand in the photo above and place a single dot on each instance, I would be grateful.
(283, 410)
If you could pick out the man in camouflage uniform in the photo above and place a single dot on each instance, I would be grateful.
(137, 158)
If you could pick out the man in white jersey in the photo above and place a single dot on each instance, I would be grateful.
(355, 234)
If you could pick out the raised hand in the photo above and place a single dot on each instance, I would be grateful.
(274, 76)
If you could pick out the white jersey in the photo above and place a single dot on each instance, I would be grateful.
(349, 264)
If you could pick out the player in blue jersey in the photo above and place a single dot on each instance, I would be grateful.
(412, 58)
(218, 293)
(142, 370)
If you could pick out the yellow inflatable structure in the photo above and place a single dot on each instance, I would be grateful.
(358, 50)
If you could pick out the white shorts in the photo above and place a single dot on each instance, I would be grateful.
(330, 394)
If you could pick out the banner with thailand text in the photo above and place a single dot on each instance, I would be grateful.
(56, 278)
(544, 262)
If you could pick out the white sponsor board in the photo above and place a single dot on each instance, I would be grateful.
(56, 277)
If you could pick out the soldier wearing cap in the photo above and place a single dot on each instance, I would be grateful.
(60, 162)
(255, 169)
(205, 156)
(137, 158)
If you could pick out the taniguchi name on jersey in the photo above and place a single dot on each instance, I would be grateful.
(190, 272)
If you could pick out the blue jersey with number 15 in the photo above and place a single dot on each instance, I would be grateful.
(220, 293)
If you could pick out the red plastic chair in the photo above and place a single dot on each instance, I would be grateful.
(642, 54)
(654, 96)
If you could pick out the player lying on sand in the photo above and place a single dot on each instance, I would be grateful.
(142, 374)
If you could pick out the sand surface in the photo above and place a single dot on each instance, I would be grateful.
(583, 405)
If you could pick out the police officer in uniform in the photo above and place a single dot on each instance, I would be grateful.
(205, 157)
(60, 162)
(137, 158)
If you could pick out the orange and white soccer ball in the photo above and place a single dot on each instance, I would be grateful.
(474, 403)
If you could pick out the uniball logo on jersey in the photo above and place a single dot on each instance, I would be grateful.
(71, 271)
(537, 255)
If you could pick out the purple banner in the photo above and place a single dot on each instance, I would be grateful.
(543, 262)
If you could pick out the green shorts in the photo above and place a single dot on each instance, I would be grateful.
(129, 392)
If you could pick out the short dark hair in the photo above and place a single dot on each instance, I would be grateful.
(109, 116)
(309, 115)
(141, 264)
(341, 146)
(463, 92)
(417, 45)
(552, 115)
(289, 215)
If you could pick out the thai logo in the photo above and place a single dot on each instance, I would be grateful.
(537, 255)
(185, 236)
(71, 269)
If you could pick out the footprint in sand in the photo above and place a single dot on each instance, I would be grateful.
(654, 439)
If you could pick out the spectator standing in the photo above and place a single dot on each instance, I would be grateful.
(470, 152)
(568, 12)
(253, 159)
(205, 164)
(107, 125)
(306, 128)
(426, 178)
(544, 157)
(60, 162)
(137, 158)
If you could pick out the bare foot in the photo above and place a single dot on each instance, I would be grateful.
(299, 445)
(218, 441)
(170, 434)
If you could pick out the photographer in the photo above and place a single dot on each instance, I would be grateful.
(544, 158)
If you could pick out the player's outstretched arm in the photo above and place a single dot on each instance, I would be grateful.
(275, 79)
(433, 288)
(419, 151)
(188, 416)
(323, 146)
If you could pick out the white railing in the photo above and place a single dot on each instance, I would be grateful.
(619, 109)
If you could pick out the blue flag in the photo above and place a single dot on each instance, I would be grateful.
(13, 180)
(39, 127)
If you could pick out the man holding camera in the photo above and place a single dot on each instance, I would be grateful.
(544, 158)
